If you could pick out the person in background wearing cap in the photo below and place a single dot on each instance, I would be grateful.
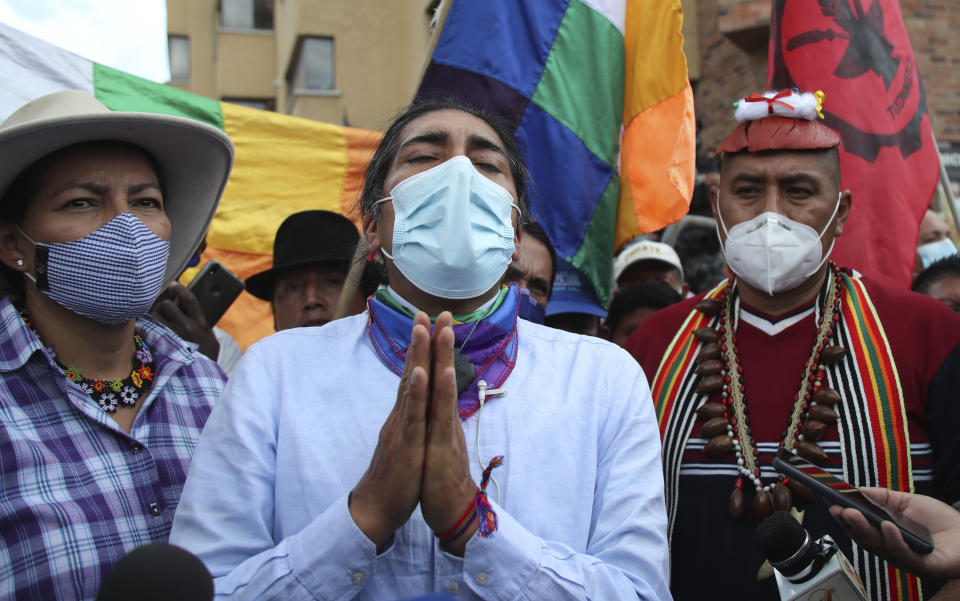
(792, 351)
(649, 261)
(311, 257)
(100, 405)
(386, 456)
(574, 306)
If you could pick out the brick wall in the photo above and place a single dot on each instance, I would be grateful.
(934, 30)
(733, 36)
(731, 66)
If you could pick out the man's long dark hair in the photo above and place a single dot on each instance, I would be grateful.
(383, 158)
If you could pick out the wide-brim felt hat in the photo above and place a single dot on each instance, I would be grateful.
(303, 238)
(194, 159)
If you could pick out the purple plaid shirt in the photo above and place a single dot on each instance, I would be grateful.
(77, 492)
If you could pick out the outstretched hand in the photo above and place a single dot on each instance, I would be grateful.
(887, 542)
(421, 455)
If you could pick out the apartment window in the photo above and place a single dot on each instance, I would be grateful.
(263, 104)
(179, 48)
(247, 14)
(314, 65)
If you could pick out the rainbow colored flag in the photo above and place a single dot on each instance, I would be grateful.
(598, 96)
(283, 164)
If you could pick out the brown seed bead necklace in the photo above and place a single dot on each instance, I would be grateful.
(727, 423)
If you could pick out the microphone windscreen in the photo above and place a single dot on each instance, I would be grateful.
(158, 572)
(780, 536)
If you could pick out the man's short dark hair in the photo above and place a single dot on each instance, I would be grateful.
(947, 267)
(533, 229)
(650, 294)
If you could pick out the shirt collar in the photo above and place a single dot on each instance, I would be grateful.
(21, 343)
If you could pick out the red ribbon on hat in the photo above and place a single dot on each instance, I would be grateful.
(770, 101)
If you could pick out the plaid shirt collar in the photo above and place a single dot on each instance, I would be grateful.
(170, 354)
(162, 342)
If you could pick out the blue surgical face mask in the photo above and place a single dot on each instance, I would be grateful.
(111, 275)
(452, 230)
(934, 251)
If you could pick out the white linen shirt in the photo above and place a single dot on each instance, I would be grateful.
(581, 507)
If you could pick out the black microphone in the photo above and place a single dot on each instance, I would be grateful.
(158, 572)
(806, 568)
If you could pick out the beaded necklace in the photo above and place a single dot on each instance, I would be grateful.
(728, 422)
(109, 394)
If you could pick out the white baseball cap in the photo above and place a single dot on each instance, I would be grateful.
(646, 250)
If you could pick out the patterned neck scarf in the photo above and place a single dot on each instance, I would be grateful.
(488, 339)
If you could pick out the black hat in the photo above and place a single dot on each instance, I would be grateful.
(306, 237)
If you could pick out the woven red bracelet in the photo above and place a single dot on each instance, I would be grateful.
(453, 533)
(479, 508)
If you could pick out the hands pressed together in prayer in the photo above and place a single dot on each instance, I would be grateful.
(421, 456)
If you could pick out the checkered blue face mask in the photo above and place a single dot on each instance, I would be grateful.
(111, 275)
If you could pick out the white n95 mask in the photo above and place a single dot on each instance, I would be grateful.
(452, 230)
(774, 253)
(931, 252)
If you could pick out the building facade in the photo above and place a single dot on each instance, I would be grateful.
(733, 38)
(342, 62)
(358, 61)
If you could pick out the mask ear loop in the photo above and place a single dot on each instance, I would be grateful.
(32, 241)
(826, 255)
(383, 250)
(726, 232)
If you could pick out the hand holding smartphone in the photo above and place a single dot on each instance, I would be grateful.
(837, 492)
(215, 288)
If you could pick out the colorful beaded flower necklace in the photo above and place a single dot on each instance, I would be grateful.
(109, 394)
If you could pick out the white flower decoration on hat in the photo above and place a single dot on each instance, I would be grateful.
(786, 103)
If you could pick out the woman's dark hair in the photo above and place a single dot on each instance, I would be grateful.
(390, 144)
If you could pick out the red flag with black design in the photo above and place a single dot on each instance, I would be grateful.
(858, 53)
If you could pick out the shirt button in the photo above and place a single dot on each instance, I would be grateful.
(155, 509)
(453, 588)
(358, 577)
(136, 449)
(481, 578)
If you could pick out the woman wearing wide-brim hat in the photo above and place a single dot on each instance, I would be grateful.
(100, 406)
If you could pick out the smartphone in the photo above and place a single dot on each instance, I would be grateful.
(215, 287)
(837, 492)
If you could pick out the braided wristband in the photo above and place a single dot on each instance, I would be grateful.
(462, 524)
(479, 508)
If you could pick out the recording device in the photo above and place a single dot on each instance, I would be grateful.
(215, 287)
(837, 492)
(806, 569)
(158, 572)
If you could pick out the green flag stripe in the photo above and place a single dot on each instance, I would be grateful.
(125, 92)
(593, 256)
(582, 82)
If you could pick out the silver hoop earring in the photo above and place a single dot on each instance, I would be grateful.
(19, 262)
